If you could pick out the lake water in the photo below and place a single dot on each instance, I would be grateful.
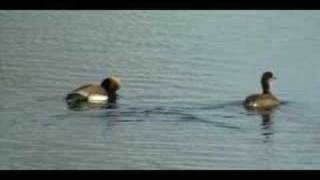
(184, 75)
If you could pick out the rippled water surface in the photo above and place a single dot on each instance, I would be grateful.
(184, 75)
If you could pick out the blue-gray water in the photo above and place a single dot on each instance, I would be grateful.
(184, 75)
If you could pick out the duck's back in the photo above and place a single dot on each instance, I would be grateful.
(261, 101)
(90, 89)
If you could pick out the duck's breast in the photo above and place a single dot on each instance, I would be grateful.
(268, 101)
(262, 101)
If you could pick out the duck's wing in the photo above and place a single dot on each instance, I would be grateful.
(252, 98)
(88, 89)
(82, 93)
(81, 90)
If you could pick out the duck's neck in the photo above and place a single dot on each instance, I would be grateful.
(265, 86)
(112, 97)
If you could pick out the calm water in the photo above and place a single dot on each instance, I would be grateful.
(184, 75)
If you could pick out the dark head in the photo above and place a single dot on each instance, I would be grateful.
(111, 84)
(265, 81)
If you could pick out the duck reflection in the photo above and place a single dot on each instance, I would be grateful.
(267, 122)
(84, 106)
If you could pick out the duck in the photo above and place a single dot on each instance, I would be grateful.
(102, 93)
(265, 100)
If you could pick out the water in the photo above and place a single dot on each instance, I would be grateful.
(184, 75)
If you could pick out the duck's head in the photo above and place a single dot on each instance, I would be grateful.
(266, 78)
(268, 75)
(111, 84)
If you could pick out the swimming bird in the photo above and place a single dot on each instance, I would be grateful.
(266, 99)
(95, 93)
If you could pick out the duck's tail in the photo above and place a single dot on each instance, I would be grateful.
(74, 98)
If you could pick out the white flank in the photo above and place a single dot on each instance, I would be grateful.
(97, 98)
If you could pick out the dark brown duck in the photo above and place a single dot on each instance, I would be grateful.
(264, 100)
(95, 93)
